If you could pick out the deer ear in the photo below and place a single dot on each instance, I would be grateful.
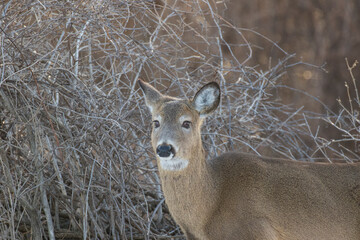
(152, 96)
(207, 99)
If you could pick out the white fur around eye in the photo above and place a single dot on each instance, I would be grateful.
(184, 118)
(158, 118)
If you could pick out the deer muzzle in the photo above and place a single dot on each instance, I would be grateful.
(165, 150)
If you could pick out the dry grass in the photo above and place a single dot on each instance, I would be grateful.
(76, 161)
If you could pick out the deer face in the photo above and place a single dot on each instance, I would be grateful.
(176, 131)
(176, 124)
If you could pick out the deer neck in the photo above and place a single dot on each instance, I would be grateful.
(190, 193)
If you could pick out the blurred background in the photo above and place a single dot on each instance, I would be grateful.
(321, 33)
(75, 154)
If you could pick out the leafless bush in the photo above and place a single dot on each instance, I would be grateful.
(346, 122)
(75, 152)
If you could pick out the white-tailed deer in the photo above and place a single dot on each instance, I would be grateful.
(241, 196)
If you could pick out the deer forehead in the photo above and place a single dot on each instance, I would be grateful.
(176, 111)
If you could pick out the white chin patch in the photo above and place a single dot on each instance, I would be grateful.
(173, 164)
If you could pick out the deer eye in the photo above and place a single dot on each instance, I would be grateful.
(156, 123)
(186, 124)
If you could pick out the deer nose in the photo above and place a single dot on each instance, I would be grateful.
(165, 150)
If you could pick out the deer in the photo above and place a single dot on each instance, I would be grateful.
(239, 195)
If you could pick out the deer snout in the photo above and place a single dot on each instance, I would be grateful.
(165, 150)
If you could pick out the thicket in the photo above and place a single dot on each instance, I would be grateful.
(75, 154)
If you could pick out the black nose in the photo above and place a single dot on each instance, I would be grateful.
(165, 150)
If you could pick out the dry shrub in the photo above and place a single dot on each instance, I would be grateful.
(76, 160)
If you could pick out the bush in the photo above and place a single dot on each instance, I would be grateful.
(76, 160)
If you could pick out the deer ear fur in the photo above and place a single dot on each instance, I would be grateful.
(152, 96)
(207, 99)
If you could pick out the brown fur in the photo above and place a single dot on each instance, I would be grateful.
(242, 196)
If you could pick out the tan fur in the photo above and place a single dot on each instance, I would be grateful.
(242, 196)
